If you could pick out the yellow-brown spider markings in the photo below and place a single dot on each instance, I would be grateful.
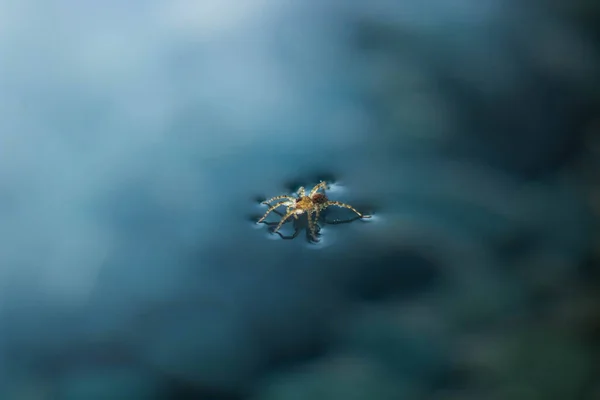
(314, 203)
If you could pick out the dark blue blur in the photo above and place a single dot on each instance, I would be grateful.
(137, 140)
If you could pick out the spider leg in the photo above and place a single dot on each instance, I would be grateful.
(344, 205)
(301, 191)
(285, 218)
(271, 209)
(311, 226)
(321, 185)
(284, 196)
(291, 207)
(274, 223)
(287, 237)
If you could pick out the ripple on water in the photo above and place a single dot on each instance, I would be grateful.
(373, 219)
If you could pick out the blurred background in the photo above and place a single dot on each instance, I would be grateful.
(138, 138)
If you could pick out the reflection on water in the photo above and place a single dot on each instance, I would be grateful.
(136, 144)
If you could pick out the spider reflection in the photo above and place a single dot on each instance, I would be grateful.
(302, 224)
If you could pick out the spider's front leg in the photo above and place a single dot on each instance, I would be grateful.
(301, 191)
(274, 223)
(272, 208)
(284, 196)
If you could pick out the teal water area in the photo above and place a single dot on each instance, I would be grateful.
(138, 141)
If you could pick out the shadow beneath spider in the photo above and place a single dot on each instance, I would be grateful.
(302, 223)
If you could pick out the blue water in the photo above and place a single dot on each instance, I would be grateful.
(137, 141)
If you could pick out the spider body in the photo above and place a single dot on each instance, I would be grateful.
(304, 204)
(313, 203)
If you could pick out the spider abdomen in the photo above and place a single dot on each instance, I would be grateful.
(319, 198)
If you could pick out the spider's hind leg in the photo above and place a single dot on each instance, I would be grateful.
(321, 185)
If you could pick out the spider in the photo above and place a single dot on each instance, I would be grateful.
(314, 203)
